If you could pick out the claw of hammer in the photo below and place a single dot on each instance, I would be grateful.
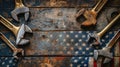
(20, 10)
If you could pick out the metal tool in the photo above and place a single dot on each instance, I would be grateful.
(105, 52)
(95, 38)
(19, 9)
(90, 15)
(14, 49)
(19, 32)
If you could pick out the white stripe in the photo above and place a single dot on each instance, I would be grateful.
(91, 62)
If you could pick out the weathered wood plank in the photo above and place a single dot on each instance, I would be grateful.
(45, 61)
(56, 43)
(63, 19)
(67, 3)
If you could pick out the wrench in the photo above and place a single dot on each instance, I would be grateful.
(95, 38)
(90, 15)
(18, 31)
(14, 49)
(19, 9)
(105, 52)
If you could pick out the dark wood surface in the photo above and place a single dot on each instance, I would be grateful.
(54, 17)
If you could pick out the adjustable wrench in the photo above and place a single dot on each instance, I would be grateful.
(105, 52)
(19, 9)
(90, 15)
(18, 31)
(95, 38)
(14, 49)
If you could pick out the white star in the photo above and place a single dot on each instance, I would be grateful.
(85, 65)
(10, 61)
(67, 36)
(83, 44)
(110, 32)
(60, 35)
(83, 36)
(6, 58)
(68, 44)
(80, 57)
(87, 48)
(80, 40)
(78, 65)
(72, 40)
(3, 63)
(83, 52)
(76, 36)
(64, 40)
(75, 61)
(76, 44)
(7, 66)
(80, 32)
(71, 31)
(76, 52)
(79, 48)
(106, 36)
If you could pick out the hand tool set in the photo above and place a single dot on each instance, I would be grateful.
(18, 31)
(21, 15)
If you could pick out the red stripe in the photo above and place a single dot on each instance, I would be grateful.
(95, 63)
(119, 51)
(112, 63)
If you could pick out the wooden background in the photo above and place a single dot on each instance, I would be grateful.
(54, 17)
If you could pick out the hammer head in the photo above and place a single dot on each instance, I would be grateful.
(20, 36)
(20, 10)
(105, 52)
(93, 39)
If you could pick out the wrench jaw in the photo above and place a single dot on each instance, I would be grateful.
(91, 18)
(20, 10)
(20, 36)
(18, 51)
(93, 39)
(104, 53)
(28, 29)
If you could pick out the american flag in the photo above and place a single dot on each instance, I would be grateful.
(73, 42)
